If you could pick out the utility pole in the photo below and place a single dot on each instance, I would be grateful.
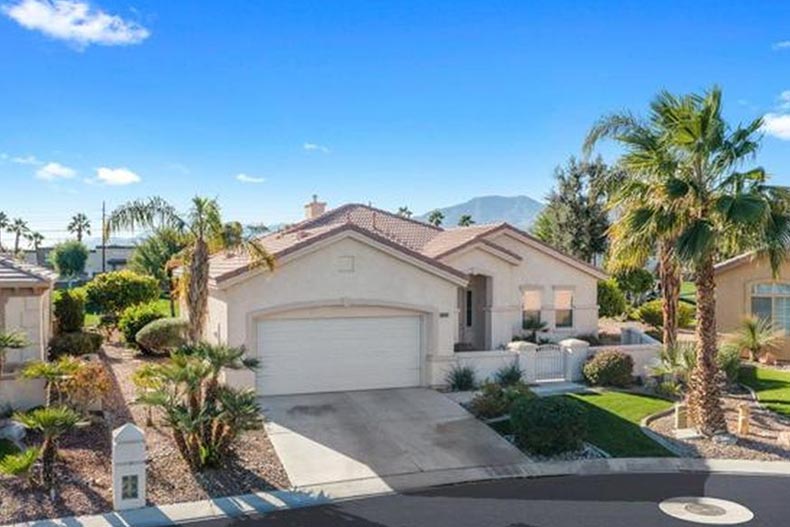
(103, 238)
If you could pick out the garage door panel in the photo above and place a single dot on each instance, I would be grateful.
(332, 354)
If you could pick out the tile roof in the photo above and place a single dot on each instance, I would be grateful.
(14, 273)
(421, 240)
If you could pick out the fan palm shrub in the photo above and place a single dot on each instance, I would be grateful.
(756, 336)
(54, 373)
(10, 340)
(20, 465)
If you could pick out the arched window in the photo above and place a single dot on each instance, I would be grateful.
(771, 301)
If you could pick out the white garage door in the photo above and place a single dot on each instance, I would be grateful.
(337, 354)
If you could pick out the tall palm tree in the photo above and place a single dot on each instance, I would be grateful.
(53, 422)
(436, 217)
(19, 228)
(202, 223)
(649, 163)
(35, 238)
(79, 225)
(465, 221)
(714, 204)
(4, 224)
(404, 212)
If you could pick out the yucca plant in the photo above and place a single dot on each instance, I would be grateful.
(20, 465)
(53, 422)
(461, 378)
(756, 336)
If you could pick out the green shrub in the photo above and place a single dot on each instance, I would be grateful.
(635, 283)
(75, 344)
(69, 310)
(135, 318)
(729, 361)
(111, 293)
(548, 425)
(461, 378)
(162, 336)
(509, 374)
(651, 314)
(495, 400)
(609, 368)
(68, 258)
(611, 300)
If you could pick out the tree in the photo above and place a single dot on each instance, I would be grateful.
(111, 293)
(206, 233)
(635, 283)
(465, 221)
(35, 238)
(574, 219)
(712, 201)
(4, 224)
(52, 422)
(9, 341)
(436, 217)
(79, 225)
(404, 212)
(756, 336)
(68, 258)
(153, 255)
(19, 228)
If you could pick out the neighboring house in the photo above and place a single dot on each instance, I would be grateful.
(25, 306)
(117, 256)
(745, 286)
(362, 298)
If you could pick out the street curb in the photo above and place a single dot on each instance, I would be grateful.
(266, 502)
(644, 425)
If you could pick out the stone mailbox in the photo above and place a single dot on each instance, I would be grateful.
(128, 468)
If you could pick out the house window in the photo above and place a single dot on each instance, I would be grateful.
(469, 308)
(563, 308)
(772, 302)
(530, 305)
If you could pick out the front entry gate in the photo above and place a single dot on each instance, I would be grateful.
(549, 363)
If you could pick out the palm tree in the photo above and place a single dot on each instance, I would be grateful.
(53, 422)
(436, 217)
(756, 336)
(649, 163)
(4, 224)
(54, 374)
(10, 340)
(153, 255)
(404, 212)
(713, 204)
(20, 465)
(465, 221)
(35, 238)
(79, 225)
(19, 228)
(206, 233)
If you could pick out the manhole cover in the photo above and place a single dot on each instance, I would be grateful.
(711, 511)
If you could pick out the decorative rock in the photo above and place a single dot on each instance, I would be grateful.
(12, 431)
(744, 414)
(783, 439)
(725, 439)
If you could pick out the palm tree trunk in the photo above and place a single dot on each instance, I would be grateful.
(48, 454)
(170, 295)
(16, 243)
(704, 399)
(669, 277)
(197, 293)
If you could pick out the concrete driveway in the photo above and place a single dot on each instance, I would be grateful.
(378, 436)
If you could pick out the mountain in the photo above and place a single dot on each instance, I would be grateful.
(519, 211)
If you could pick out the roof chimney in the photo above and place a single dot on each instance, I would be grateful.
(315, 208)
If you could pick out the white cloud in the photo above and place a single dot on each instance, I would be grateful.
(777, 125)
(53, 171)
(26, 160)
(116, 176)
(244, 178)
(784, 44)
(784, 100)
(314, 147)
(75, 22)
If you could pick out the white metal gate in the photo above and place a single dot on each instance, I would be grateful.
(549, 363)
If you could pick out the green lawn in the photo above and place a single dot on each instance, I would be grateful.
(688, 290)
(614, 419)
(772, 387)
(163, 304)
(7, 447)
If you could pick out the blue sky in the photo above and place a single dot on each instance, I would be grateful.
(417, 103)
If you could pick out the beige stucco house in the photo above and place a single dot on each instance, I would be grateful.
(746, 286)
(25, 306)
(362, 298)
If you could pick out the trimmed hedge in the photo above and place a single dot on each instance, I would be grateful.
(495, 400)
(548, 425)
(69, 310)
(163, 335)
(611, 299)
(651, 313)
(74, 344)
(135, 318)
(609, 368)
(111, 293)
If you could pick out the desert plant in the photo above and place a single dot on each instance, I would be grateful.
(74, 344)
(461, 378)
(135, 318)
(20, 465)
(495, 400)
(8, 341)
(533, 325)
(163, 335)
(86, 387)
(69, 310)
(756, 336)
(111, 293)
(54, 374)
(609, 368)
(52, 422)
(509, 374)
(611, 300)
(729, 361)
(548, 425)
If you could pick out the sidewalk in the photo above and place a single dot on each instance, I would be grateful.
(264, 502)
